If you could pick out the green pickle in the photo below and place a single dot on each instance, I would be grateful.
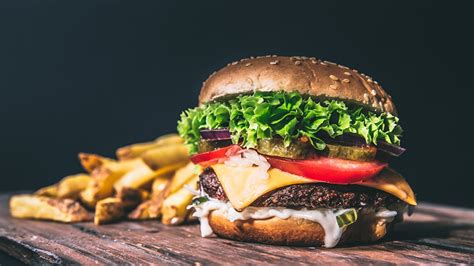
(355, 153)
(276, 147)
(300, 150)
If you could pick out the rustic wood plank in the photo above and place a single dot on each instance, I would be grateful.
(434, 234)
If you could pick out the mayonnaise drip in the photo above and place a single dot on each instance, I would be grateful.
(325, 217)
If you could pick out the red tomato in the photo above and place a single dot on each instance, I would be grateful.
(211, 157)
(331, 170)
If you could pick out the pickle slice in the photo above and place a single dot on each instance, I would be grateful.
(210, 145)
(276, 147)
(355, 153)
(299, 150)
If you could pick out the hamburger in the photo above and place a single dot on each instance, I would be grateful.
(295, 151)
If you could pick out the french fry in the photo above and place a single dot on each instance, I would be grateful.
(142, 176)
(151, 209)
(165, 155)
(159, 185)
(109, 210)
(45, 208)
(71, 186)
(174, 210)
(182, 176)
(135, 178)
(131, 197)
(92, 161)
(104, 178)
(49, 191)
(135, 150)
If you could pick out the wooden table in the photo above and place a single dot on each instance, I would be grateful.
(433, 234)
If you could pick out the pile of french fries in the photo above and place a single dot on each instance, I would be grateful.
(148, 181)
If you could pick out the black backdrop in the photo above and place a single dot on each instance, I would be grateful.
(95, 75)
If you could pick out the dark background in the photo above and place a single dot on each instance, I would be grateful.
(95, 75)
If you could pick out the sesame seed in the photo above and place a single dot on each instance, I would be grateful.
(334, 77)
(268, 56)
(314, 61)
(346, 81)
(355, 70)
(324, 64)
(248, 64)
(366, 97)
(347, 74)
(343, 67)
(332, 86)
(274, 55)
(252, 57)
(297, 63)
(376, 82)
(369, 80)
(312, 58)
(373, 92)
(304, 58)
(235, 63)
(381, 106)
(274, 62)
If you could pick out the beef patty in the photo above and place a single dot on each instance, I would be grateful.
(311, 196)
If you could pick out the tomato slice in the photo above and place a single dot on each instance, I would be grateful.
(211, 157)
(331, 170)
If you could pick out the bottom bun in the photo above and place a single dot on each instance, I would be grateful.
(297, 232)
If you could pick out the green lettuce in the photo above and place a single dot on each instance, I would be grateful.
(289, 116)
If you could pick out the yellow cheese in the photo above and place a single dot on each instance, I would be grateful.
(243, 185)
(393, 183)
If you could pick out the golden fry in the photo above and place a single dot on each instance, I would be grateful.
(131, 197)
(159, 185)
(109, 210)
(104, 178)
(92, 161)
(182, 176)
(135, 150)
(71, 186)
(49, 191)
(151, 209)
(174, 210)
(143, 176)
(45, 208)
(165, 155)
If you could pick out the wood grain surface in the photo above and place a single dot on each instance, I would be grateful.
(434, 234)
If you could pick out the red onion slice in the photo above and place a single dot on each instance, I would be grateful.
(215, 134)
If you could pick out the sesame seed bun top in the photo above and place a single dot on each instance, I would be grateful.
(308, 76)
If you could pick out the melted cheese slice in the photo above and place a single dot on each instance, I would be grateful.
(243, 186)
(393, 183)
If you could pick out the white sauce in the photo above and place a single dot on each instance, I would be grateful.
(325, 217)
(386, 215)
